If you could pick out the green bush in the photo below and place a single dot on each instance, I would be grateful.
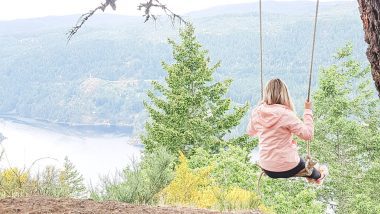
(363, 203)
(54, 182)
(14, 183)
(65, 182)
(197, 187)
(233, 169)
(141, 182)
(231, 166)
(303, 201)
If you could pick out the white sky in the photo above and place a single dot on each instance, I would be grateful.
(21, 9)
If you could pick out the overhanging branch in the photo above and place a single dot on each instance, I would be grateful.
(148, 14)
(156, 3)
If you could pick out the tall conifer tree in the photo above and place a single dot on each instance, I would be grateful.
(191, 109)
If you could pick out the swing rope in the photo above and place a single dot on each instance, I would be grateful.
(261, 81)
(261, 51)
(312, 50)
(309, 166)
(309, 162)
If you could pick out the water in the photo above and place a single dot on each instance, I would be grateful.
(92, 153)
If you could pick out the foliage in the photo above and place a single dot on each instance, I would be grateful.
(233, 169)
(88, 87)
(231, 166)
(141, 182)
(363, 203)
(299, 203)
(347, 125)
(190, 110)
(71, 180)
(196, 187)
(235, 198)
(291, 195)
(364, 200)
(42, 76)
(65, 182)
(13, 182)
(346, 137)
(189, 188)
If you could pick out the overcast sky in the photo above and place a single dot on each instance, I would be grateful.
(21, 9)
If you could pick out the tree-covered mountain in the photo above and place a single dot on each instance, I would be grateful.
(102, 75)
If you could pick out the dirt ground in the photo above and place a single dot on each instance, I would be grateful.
(34, 205)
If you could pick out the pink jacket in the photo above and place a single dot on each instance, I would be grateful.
(275, 125)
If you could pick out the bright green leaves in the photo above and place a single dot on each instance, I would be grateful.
(347, 125)
(190, 110)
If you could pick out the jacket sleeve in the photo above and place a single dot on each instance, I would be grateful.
(305, 129)
(251, 131)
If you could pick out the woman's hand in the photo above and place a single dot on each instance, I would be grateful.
(308, 105)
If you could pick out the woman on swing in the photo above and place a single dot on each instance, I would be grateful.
(274, 122)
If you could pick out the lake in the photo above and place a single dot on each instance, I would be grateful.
(94, 150)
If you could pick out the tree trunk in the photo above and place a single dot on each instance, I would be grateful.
(370, 15)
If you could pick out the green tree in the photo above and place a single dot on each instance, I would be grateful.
(347, 134)
(71, 181)
(191, 110)
(65, 182)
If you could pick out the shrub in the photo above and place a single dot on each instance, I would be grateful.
(231, 166)
(292, 195)
(13, 182)
(197, 187)
(190, 188)
(362, 203)
(139, 183)
(65, 182)
(237, 198)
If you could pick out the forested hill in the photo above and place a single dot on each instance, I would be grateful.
(102, 75)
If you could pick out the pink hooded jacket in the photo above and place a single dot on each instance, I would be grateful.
(275, 125)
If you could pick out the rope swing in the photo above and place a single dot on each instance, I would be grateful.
(261, 51)
(309, 162)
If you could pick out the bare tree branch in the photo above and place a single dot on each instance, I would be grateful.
(84, 17)
(156, 3)
(148, 14)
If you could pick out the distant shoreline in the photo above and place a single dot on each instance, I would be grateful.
(97, 129)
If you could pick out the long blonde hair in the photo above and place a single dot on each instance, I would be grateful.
(276, 92)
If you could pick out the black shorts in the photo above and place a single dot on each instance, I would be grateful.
(292, 172)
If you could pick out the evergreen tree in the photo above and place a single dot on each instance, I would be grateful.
(71, 181)
(191, 110)
(65, 182)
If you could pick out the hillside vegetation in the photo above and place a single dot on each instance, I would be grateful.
(101, 76)
(195, 106)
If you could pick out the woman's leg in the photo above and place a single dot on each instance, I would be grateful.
(318, 175)
(315, 174)
(287, 174)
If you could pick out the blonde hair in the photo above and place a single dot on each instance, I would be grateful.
(276, 92)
